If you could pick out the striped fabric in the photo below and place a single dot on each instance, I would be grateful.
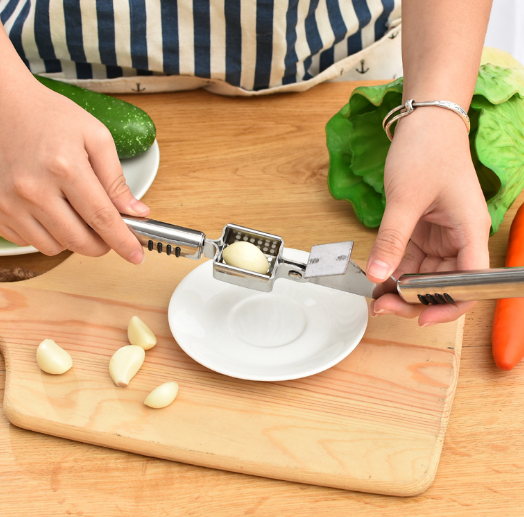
(251, 44)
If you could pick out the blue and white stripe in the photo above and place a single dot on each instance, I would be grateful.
(251, 44)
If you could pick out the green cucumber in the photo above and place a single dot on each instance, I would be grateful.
(132, 128)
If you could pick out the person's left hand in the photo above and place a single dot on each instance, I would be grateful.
(436, 217)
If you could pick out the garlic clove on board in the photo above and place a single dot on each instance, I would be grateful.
(140, 334)
(245, 255)
(53, 359)
(162, 396)
(125, 363)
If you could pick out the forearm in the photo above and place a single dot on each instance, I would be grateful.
(14, 75)
(442, 44)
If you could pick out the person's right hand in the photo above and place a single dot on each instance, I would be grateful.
(59, 173)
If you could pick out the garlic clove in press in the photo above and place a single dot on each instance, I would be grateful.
(53, 359)
(162, 396)
(140, 334)
(245, 255)
(125, 363)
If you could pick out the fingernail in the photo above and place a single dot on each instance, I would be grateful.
(429, 323)
(379, 270)
(138, 257)
(138, 207)
(384, 311)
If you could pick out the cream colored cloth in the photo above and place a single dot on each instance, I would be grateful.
(380, 61)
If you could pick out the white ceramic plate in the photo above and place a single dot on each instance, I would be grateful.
(139, 172)
(295, 331)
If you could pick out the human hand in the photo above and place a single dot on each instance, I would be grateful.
(59, 173)
(436, 217)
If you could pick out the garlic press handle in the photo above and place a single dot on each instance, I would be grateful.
(455, 286)
(167, 238)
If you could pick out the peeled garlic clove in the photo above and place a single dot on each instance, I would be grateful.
(124, 364)
(245, 255)
(162, 396)
(140, 334)
(53, 359)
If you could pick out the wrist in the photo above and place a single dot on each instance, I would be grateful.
(433, 120)
(439, 91)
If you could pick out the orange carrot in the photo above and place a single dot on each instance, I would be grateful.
(507, 335)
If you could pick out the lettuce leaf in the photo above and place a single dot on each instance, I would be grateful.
(358, 145)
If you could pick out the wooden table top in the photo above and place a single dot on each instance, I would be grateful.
(480, 471)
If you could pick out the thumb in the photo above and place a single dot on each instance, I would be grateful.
(106, 165)
(120, 194)
(398, 224)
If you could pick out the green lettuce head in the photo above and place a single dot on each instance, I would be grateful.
(358, 145)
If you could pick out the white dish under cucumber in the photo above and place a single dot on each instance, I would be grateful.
(139, 172)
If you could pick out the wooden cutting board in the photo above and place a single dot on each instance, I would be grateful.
(375, 422)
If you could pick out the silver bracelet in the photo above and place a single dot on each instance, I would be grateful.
(409, 107)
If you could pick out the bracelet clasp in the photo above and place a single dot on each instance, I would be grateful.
(409, 107)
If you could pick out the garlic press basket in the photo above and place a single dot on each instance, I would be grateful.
(328, 265)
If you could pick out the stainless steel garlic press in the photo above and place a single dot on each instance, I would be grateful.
(328, 265)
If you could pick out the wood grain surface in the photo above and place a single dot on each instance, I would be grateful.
(483, 454)
(360, 425)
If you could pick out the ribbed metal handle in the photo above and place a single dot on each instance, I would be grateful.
(449, 287)
(167, 238)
